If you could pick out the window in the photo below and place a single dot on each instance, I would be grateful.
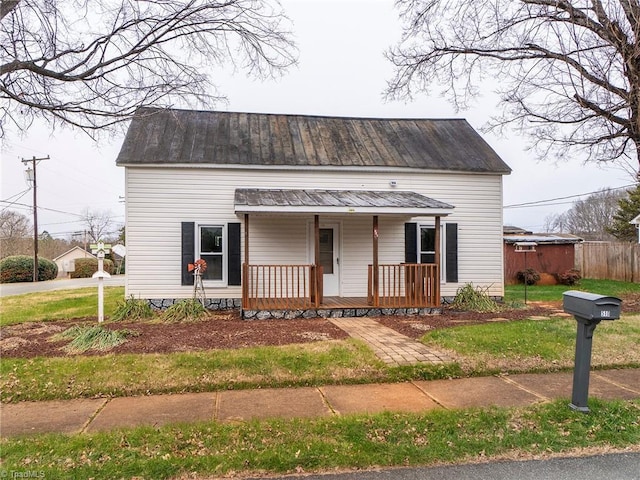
(211, 249)
(427, 244)
(419, 245)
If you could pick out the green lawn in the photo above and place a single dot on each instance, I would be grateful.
(537, 345)
(276, 447)
(57, 305)
(546, 293)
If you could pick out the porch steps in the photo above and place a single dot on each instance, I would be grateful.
(391, 347)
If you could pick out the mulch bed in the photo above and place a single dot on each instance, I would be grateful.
(227, 331)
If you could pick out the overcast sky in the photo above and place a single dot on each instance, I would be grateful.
(342, 72)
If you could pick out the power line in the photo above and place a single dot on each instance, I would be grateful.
(539, 202)
(45, 208)
(22, 194)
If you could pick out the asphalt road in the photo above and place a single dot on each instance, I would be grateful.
(620, 466)
(7, 289)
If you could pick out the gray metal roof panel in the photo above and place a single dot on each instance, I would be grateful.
(335, 198)
(168, 136)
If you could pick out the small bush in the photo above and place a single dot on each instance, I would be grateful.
(132, 309)
(184, 310)
(19, 268)
(86, 267)
(530, 276)
(570, 277)
(474, 299)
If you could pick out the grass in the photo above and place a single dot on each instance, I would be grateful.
(132, 309)
(57, 305)
(86, 337)
(537, 345)
(550, 293)
(319, 363)
(279, 447)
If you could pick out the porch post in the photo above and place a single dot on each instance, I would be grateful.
(376, 280)
(245, 266)
(436, 286)
(246, 238)
(318, 271)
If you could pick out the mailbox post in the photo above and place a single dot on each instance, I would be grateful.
(589, 309)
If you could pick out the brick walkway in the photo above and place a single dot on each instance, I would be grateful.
(391, 347)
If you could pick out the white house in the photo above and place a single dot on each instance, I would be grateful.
(66, 261)
(296, 214)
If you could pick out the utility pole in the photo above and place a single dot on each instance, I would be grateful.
(31, 177)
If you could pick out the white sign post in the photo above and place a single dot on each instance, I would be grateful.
(100, 249)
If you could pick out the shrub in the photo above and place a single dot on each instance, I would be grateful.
(184, 310)
(85, 338)
(19, 268)
(530, 276)
(132, 309)
(570, 277)
(475, 299)
(86, 267)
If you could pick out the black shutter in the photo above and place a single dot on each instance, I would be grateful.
(451, 252)
(188, 251)
(411, 243)
(234, 265)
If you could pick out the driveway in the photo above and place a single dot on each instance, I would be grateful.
(7, 289)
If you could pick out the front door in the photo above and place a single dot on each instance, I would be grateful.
(329, 258)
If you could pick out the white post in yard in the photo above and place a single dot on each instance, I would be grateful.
(100, 250)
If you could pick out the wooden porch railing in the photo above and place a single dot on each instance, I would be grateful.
(407, 285)
(281, 286)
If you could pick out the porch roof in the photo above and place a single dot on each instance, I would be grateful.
(390, 202)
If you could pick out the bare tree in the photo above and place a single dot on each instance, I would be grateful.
(99, 224)
(567, 71)
(91, 64)
(15, 234)
(590, 218)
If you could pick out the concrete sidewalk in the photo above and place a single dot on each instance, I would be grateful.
(92, 415)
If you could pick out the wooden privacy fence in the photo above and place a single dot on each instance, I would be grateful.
(609, 260)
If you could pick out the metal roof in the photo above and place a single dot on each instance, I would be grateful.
(337, 201)
(178, 137)
(543, 238)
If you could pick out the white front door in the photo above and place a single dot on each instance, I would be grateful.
(329, 258)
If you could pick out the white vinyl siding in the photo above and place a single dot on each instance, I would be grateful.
(159, 198)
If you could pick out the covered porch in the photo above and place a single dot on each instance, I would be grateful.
(303, 286)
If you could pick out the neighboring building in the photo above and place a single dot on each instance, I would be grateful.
(636, 222)
(297, 212)
(66, 261)
(554, 253)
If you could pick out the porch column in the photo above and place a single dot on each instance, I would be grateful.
(375, 273)
(317, 294)
(436, 287)
(246, 238)
(245, 265)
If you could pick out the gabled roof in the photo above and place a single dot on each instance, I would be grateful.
(260, 200)
(74, 249)
(187, 137)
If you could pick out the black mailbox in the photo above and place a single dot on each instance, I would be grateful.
(591, 306)
(589, 309)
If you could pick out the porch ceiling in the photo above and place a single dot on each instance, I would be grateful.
(387, 202)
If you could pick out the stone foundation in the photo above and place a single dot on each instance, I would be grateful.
(334, 313)
(221, 304)
(215, 304)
